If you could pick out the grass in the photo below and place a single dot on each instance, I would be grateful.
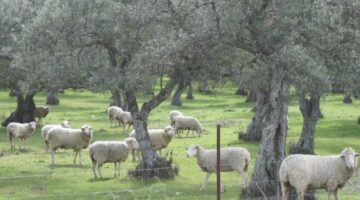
(28, 175)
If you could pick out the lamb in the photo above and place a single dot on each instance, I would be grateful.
(66, 138)
(159, 138)
(173, 114)
(112, 112)
(124, 118)
(310, 171)
(41, 112)
(22, 131)
(107, 152)
(46, 128)
(231, 158)
(133, 147)
(187, 123)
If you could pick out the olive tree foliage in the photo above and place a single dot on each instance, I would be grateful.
(291, 41)
(126, 46)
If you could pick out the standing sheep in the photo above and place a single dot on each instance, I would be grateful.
(159, 138)
(124, 118)
(112, 112)
(107, 152)
(46, 128)
(309, 171)
(22, 131)
(173, 114)
(187, 123)
(231, 158)
(133, 147)
(41, 112)
(67, 138)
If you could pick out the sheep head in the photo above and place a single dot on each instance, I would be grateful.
(192, 150)
(65, 124)
(87, 130)
(350, 157)
(32, 125)
(169, 131)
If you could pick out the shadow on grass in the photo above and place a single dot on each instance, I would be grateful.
(68, 166)
(101, 179)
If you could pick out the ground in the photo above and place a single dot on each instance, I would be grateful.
(28, 174)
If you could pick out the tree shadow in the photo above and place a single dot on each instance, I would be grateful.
(75, 166)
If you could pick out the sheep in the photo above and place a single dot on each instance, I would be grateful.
(124, 118)
(22, 131)
(133, 147)
(46, 128)
(112, 111)
(66, 138)
(317, 172)
(231, 158)
(172, 115)
(159, 138)
(107, 152)
(187, 123)
(41, 112)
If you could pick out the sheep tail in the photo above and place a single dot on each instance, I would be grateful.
(91, 153)
(246, 164)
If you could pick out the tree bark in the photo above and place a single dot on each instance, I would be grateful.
(176, 100)
(190, 92)
(24, 112)
(152, 165)
(310, 109)
(116, 98)
(251, 97)
(265, 181)
(347, 98)
(255, 128)
(240, 91)
(51, 98)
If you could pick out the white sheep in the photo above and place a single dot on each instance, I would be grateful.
(133, 147)
(112, 111)
(159, 138)
(66, 138)
(22, 131)
(172, 115)
(107, 152)
(231, 158)
(187, 123)
(124, 118)
(46, 128)
(317, 172)
(41, 112)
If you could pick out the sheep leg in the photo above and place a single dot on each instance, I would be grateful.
(285, 189)
(133, 154)
(301, 195)
(118, 168)
(76, 153)
(52, 156)
(205, 182)
(336, 194)
(99, 169)
(115, 168)
(80, 162)
(245, 178)
(94, 168)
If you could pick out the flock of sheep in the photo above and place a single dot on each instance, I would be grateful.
(300, 171)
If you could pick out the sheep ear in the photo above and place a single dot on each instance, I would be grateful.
(356, 154)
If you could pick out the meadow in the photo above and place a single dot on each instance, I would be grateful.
(28, 174)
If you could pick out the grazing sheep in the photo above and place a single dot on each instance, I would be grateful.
(187, 123)
(173, 114)
(159, 138)
(22, 131)
(107, 152)
(133, 147)
(46, 128)
(231, 158)
(41, 112)
(66, 138)
(112, 111)
(310, 171)
(124, 118)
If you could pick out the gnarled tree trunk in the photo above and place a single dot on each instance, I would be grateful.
(265, 181)
(251, 97)
(116, 98)
(347, 98)
(190, 92)
(176, 100)
(24, 112)
(255, 128)
(51, 98)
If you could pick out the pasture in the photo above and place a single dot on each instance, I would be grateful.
(28, 174)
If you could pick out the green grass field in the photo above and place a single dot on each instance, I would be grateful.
(28, 174)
